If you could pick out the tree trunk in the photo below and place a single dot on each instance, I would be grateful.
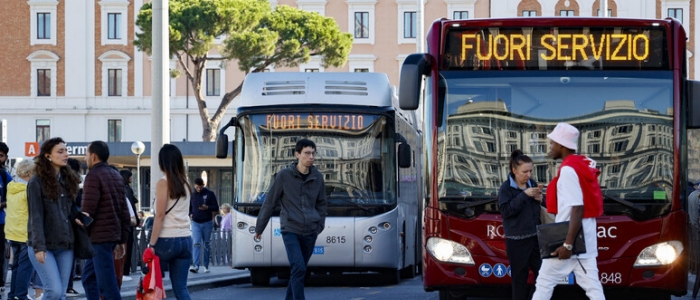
(211, 127)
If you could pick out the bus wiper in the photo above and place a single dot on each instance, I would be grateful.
(355, 204)
(625, 202)
(476, 203)
(471, 203)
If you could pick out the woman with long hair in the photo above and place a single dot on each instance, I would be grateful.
(51, 194)
(519, 200)
(171, 239)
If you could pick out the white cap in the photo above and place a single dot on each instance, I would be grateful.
(565, 135)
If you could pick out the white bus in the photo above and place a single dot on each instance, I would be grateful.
(368, 152)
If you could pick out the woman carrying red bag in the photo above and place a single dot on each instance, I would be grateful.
(171, 238)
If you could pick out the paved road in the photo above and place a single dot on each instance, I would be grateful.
(349, 287)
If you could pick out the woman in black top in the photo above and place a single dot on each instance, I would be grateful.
(519, 200)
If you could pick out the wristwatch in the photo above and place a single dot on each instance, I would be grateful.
(568, 247)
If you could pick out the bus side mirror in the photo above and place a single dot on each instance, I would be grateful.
(414, 67)
(694, 104)
(404, 155)
(221, 145)
(222, 139)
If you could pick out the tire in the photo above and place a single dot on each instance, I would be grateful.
(452, 295)
(408, 272)
(392, 276)
(259, 277)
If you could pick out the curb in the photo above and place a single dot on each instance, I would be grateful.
(200, 284)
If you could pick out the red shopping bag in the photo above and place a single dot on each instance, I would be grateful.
(151, 284)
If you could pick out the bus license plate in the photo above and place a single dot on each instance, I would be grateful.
(319, 250)
(569, 279)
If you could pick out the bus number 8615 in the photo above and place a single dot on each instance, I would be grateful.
(335, 240)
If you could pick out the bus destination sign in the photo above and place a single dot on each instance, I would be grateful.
(553, 48)
(317, 121)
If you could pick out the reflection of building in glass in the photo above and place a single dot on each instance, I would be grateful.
(632, 148)
(346, 158)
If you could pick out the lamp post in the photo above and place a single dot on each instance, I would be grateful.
(137, 148)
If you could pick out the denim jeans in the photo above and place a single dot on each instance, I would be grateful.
(201, 234)
(299, 249)
(21, 271)
(99, 278)
(176, 254)
(54, 272)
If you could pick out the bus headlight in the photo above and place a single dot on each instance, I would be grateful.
(449, 251)
(660, 254)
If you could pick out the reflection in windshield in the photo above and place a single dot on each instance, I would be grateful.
(352, 154)
(626, 126)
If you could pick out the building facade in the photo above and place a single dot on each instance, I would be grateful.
(70, 68)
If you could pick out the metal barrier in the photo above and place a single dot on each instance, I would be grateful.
(220, 254)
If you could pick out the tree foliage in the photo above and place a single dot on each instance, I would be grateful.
(255, 36)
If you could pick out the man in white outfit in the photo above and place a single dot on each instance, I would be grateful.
(573, 197)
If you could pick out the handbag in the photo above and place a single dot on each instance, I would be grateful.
(551, 236)
(150, 285)
(82, 247)
(546, 217)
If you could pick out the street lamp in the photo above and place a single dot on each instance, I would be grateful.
(137, 148)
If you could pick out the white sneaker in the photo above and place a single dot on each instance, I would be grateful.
(193, 269)
(206, 269)
(126, 278)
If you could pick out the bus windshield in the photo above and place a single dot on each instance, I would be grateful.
(355, 154)
(625, 119)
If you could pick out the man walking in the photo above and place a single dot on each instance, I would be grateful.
(127, 176)
(104, 201)
(301, 192)
(203, 209)
(573, 195)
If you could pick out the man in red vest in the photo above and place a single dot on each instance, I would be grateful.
(573, 195)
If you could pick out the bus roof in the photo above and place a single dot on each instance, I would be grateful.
(557, 21)
(286, 88)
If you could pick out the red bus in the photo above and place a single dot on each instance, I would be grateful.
(491, 86)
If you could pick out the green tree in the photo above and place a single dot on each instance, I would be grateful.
(256, 36)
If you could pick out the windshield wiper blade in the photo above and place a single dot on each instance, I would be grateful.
(471, 203)
(625, 202)
(355, 204)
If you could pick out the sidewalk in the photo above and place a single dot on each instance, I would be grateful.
(217, 277)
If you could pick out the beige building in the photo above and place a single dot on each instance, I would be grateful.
(70, 69)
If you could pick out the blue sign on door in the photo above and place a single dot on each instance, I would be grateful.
(319, 250)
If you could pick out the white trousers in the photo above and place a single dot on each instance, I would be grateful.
(554, 270)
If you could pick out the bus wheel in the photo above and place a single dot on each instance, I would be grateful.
(392, 276)
(409, 272)
(259, 276)
(452, 295)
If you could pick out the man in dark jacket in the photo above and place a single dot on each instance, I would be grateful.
(304, 211)
(104, 201)
(203, 209)
(127, 175)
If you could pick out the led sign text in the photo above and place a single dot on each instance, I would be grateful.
(561, 47)
(315, 121)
